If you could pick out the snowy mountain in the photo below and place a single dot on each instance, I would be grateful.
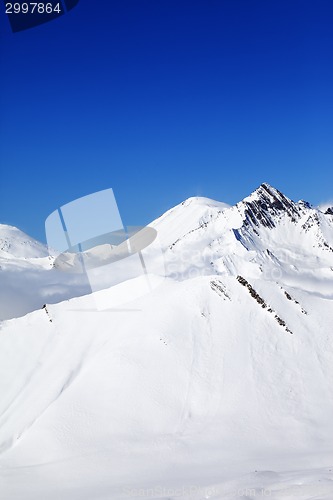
(15, 243)
(216, 384)
(265, 235)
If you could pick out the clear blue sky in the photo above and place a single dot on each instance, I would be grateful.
(166, 99)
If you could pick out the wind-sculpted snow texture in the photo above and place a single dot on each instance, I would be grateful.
(217, 384)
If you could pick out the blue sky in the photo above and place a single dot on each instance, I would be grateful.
(166, 99)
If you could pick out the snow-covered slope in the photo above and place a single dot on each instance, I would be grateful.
(15, 243)
(27, 277)
(217, 384)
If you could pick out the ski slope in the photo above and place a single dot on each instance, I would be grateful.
(216, 384)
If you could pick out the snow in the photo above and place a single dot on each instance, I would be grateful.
(190, 389)
(15, 243)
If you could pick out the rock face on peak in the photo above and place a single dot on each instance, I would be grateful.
(266, 204)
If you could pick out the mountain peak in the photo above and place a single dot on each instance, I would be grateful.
(265, 204)
(204, 202)
(266, 189)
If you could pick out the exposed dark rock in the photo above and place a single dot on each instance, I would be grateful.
(218, 287)
(267, 204)
(263, 304)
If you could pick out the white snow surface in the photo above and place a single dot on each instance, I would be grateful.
(218, 383)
